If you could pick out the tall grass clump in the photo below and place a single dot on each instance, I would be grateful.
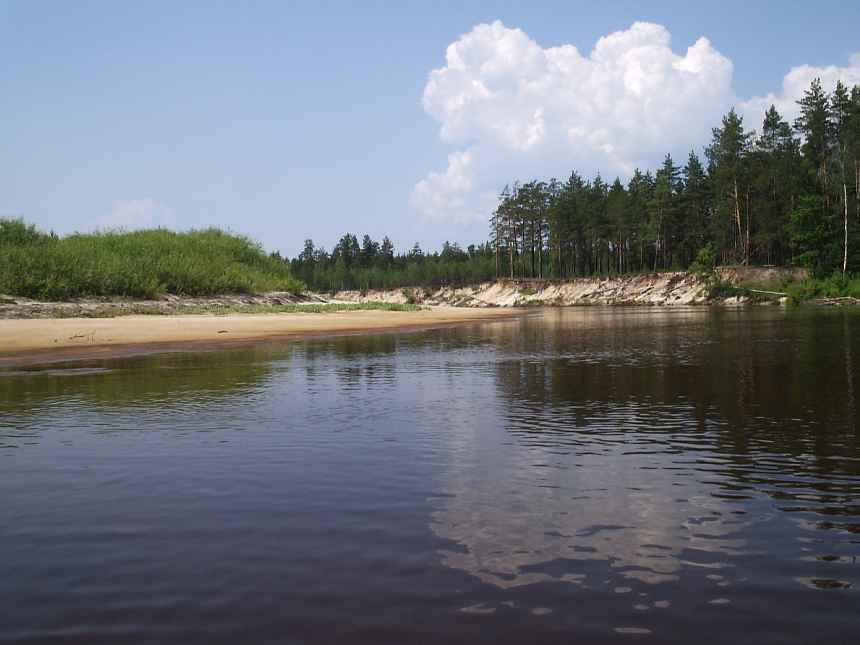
(139, 264)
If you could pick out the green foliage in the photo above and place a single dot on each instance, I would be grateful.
(143, 308)
(376, 266)
(811, 233)
(141, 264)
(409, 295)
(833, 286)
(294, 308)
(723, 289)
(15, 232)
(705, 263)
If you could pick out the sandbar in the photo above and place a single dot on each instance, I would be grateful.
(44, 340)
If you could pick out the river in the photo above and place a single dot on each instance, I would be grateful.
(574, 475)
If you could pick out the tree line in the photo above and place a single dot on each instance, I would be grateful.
(375, 265)
(787, 195)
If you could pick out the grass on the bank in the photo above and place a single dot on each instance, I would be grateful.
(834, 286)
(108, 311)
(139, 264)
(296, 309)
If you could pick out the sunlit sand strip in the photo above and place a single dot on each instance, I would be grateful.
(44, 340)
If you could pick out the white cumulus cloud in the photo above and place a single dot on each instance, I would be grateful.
(796, 82)
(515, 110)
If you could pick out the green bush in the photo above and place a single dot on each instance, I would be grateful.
(704, 266)
(409, 295)
(16, 232)
(724, 289)
(833, 286)
(140, 264)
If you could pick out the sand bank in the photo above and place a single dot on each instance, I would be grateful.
(31, 341)
(665, 289)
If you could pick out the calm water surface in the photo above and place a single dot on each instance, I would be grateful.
(576, 475)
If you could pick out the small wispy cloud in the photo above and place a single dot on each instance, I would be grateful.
(135, 214)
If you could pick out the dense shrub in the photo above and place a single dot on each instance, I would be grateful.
(834, 286)
(140, 264)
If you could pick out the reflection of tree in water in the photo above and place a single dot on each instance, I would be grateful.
(641, 439)
(143, 383)
(353, 361)
(361, 362)
(160, 379)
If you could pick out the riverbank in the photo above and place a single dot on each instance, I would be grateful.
(269, 303)
(41, 340)
(663, 289)
(739, 285)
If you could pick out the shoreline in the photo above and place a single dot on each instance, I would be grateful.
(666, 288)
(35, 341)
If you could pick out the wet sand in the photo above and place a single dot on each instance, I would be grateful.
(34, 341)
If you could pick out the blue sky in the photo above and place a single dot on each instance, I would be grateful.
(292, 120)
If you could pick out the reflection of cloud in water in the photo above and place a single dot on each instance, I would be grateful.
(531, 508)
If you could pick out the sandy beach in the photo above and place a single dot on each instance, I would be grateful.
(33, 341)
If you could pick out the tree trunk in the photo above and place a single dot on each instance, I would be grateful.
(532, 258)
(749, 223)
(540, 250)
(738, 215)
(857, 186)
(845, 247)
(523, 254)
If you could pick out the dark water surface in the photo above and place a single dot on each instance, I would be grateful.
(579, 476)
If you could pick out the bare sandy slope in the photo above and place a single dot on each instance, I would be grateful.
(669, 288)
(44, 340)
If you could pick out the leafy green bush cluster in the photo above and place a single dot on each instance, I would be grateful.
(704, 266)
(724, 289)
(834, 286)
(705, 263)
(140, 264)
